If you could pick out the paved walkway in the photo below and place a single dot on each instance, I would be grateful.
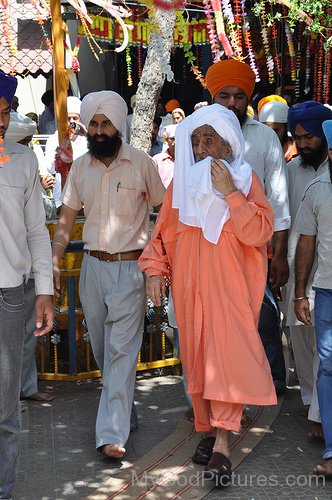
(59, 462)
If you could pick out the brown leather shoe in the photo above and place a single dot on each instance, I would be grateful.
(219, 469)
(204, 450)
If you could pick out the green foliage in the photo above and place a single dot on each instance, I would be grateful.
(316, 14)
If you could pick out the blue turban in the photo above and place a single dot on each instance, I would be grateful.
(327, 128)
(310, 115)
(8, 86)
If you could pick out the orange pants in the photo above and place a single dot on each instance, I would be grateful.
(209, 414)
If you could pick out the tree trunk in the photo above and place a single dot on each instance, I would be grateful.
(156, 67)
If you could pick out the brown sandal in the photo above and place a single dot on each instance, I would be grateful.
(204, 450)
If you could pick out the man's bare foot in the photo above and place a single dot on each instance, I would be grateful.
(316, 431)
(305, 410)
(44, 397)
(324, 469)
(112, 450)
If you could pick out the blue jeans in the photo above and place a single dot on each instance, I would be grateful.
(323, 321)
(12, 330)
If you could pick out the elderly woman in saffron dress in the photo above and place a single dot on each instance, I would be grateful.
(210, 239)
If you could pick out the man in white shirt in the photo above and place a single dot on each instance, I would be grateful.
(305, 123)
(313, 223)
(231, 84)
(24, 248)
(78, 143)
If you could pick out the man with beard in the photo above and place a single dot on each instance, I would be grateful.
(215, 217)
(231, 84)
(116, 184)
(274, 115)
(24, 249)
(305, 124)
(313, 224)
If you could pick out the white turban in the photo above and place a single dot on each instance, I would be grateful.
(274, 111)
(20, 127)
(199, 203)
(74, 105)
(108, 103)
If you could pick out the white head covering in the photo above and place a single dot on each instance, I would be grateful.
(199, 204)
(108, 103)
(274, 111)
(74, 105)
(20, 127)
(169, 130)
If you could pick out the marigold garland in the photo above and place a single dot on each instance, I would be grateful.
(3, 158)
(265, 38)
(216, 6)
(228, 14)
(247, 40)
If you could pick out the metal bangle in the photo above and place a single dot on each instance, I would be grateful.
(300, 298)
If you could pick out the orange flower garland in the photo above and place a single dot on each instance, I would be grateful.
(3, 158)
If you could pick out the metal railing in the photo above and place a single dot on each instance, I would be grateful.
(66, 354)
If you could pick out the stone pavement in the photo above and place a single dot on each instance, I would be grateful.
(58, 460)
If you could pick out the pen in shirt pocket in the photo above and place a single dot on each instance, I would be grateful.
(118, 186)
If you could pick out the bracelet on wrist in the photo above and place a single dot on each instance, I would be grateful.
(58, 243)
(300, 298)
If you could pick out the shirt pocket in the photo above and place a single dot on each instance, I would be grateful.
(126, 202)
(12, 200)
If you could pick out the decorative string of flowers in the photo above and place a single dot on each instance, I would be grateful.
(265, 39)
(327, 75)
(247, 40)
(307, 63)
(187, 49)
(291, 50)
(3, 157)
(7, 29)
(238, 23)
(319, 63)
(213, 37)
(228, 14)
(43, 11)
(216, 6)
(129, 68)
(298, 64)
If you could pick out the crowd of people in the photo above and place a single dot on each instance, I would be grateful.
(243, 234)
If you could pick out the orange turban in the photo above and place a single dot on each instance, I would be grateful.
(269, 98)
(171, 105)
(230, 72)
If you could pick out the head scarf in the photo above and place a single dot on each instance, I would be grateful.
(180, 111)
(327, 129)
(74, 105)
(20, 127)
(8, 85)
(310, 115)
(169, 130)
(230, 72)
(108, 103)
(269, 98)
(274, 111)
(171, 105)
(199, 204)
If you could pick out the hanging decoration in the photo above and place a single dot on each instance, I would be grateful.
(3, 157)
(210, 27)
(291, 51)
(228, 14)
(247, 40)
(187, 49)
(129, 69)
(216, 6)
(265, 38)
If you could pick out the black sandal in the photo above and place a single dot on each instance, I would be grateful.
(219, 469)
(204, 450)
